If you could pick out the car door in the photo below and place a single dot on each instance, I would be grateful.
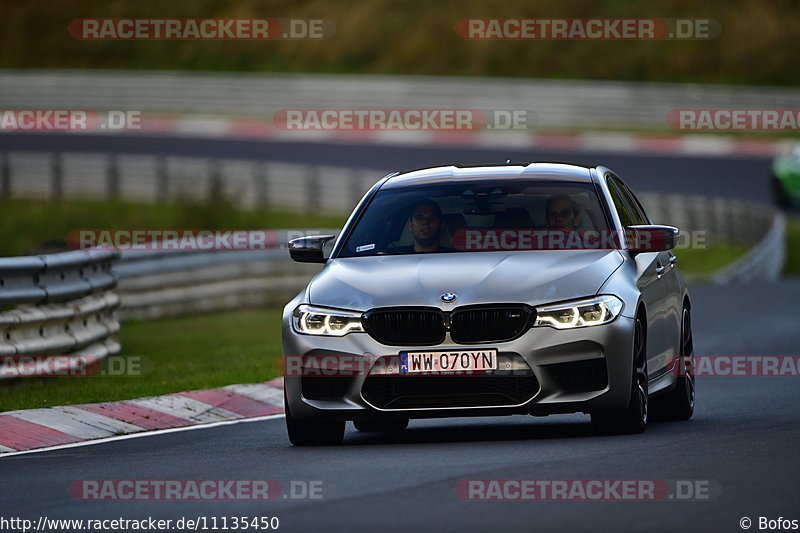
(672, 285)
(649, 271)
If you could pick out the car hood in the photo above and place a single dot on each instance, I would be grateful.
(536, 277)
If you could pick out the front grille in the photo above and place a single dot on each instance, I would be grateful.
(406, 327)
(415, 392)
(468, 325)
(580, 376)
(324, 387)
(488, 324)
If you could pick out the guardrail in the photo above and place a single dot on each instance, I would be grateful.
(763, 261)
(755, 225)
(162, 283)
(556, 103)
(43, 279)
(710, 220)
(59, 304)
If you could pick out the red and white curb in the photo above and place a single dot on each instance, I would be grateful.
(54, 426)
(700, 144)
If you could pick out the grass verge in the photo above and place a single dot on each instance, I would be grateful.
(176, 354)
(792, 265)
(28, 224)
(700, 263)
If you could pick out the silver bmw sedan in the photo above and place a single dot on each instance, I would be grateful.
(538, 289)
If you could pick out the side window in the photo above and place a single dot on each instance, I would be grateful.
(625, 212)
(640, 215)
(634, 208)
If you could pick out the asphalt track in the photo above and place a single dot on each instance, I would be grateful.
(742, 440)
(738, 177)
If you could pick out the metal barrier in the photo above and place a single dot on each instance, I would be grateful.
(756, 225)
(763, 261)
(51, 278)
(713, 220)
(157, 284)
(59, 304)
(556, 103)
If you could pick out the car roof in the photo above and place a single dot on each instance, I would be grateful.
(509, 171)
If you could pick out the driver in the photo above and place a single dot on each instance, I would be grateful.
(425, 225)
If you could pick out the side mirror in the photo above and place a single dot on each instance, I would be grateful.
(309, 249)
(651, 238)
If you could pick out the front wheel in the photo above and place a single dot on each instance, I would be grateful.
(678, 404)
(313, 432)
(632, 419)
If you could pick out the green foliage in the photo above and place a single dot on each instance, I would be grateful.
(792, 265)
(417, 37)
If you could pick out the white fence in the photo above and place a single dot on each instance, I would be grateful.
(145, 178)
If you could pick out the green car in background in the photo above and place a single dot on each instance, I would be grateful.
(785, 178)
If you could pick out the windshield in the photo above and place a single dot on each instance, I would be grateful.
(487, 216)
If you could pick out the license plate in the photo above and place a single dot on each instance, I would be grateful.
(454, 361)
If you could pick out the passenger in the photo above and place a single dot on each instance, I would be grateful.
(561, 212)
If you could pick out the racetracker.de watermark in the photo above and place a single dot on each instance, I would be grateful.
(736, 365)
(459, 120)
(734, 119)
(446, 363)
(73, 366)
(586, 489)
(69, 120)
(469, 240)
(586, 29)
(195, 490)
(177, 240)
(199, 29)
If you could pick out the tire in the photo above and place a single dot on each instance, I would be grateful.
(313, 432)
(389, 424)
(632, 419)
(678, 404)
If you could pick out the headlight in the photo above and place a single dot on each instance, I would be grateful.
(579, 313)
(319, 321)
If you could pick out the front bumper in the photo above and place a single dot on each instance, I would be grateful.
(557, 371)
